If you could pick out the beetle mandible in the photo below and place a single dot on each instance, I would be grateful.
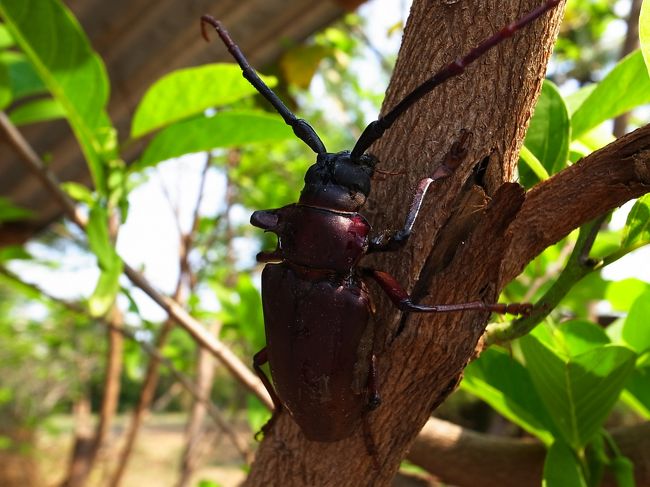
(316, 306)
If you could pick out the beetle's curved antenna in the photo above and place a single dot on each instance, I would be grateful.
(376, 129)
(300, 127)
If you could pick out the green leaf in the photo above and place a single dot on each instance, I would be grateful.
(78, 192)
(5, 86)
(623, 469)
(621, 294)
(535, 165)
(5, 38)
(24, 80)
(625, 87)
(644, 32)
(636, 331)
(578, 391)
(300, 64)
(637, 226)
(505, 384)
(59, 50)
(188, 92)
(12, 252)
(10, 212)
(109, 262)
(225, 129)
(562, 468)
(37, 111)
(637, 391)
(549, 133)
(105, 291)
(99, 240)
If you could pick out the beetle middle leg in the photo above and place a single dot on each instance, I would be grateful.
(455, 155)
(259, 359)
(402, 299)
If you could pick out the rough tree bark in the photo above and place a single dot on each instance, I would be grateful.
(417, 370)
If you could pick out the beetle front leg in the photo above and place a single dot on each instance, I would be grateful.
(259, 359)
(386, 243)
(402, 300)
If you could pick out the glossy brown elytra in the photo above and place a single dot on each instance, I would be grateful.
(319, 330)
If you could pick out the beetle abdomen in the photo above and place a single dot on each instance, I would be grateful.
(319, 344)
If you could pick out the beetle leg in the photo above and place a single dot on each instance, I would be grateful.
(259, 359)
(402, 300)
(457, 152)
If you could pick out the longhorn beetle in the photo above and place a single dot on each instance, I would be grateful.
(316, 306)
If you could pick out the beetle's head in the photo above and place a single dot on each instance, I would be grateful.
(337, 182)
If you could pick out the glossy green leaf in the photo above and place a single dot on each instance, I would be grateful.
(623, 470)
(59, 50)
(188, 92)
(625, 87)
(225, 129)
(637, 226)
(505, 384)
(37, 111)
(562, 468)
(636, 331)
(578, 391)
(644, 32)
(549, 133)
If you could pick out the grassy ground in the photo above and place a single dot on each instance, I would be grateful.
(156, 457)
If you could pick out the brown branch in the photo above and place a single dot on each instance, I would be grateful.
(465, 458)
(596, 184)
(87, 449)
(234, 365)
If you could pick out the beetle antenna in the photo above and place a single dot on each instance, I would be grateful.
(376, 129)
(301, 128)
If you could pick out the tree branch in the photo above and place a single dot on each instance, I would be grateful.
(462, 457)
(594, 185)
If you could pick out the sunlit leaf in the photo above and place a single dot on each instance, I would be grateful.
(636, 331)
(637, 226)
(548, 134)
(505, 384)
(225, 129)
(625, 87)
(59, 50)
(188, 92)
(578, 390)
(37, 111)
(562, 468)
(299, 64)
(644, 32)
